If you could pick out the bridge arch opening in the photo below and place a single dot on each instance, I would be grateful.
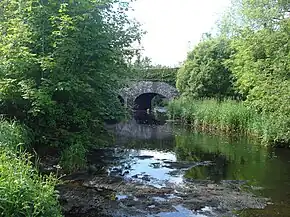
(139, 94)
(146, 100)
(143, 106)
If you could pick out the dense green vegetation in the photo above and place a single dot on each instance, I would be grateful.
(204, 73)
(60, 62)
(261, 60)
(61, 65)
(249, 60)
(143, 69)
(23, 191)
(63, 62)
(165, 74)
(228, 116)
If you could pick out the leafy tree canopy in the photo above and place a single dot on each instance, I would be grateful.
(204, 74)
(261, 62)
(259, 33)
(251, 54)
(61, 64)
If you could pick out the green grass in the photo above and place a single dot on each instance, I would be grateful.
(231, 116)
(73, 158)
(23, 191)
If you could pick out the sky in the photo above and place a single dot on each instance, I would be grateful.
(175, 26)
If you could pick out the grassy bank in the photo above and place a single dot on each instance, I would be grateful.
(231, 116)
(23, 192)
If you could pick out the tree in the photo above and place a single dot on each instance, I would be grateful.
(144, 69)
(62, 63)
(203, 74)
(261, 63)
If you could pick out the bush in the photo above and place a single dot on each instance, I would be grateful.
(23, 192)
(204, 74)
(73, 157)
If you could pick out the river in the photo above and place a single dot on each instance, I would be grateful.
(172, 170)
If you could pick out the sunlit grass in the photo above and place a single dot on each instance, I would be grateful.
(231, 116)
(74, 158)
(23, 192)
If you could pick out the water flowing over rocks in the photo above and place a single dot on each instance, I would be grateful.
(150, 183)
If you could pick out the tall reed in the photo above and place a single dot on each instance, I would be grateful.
(231, 116)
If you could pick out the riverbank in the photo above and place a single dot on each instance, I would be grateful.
(142, 176)
(231, 117)
(23, 191)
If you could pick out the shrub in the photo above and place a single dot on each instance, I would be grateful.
(204, 74)
(73, 157)
(23, 192)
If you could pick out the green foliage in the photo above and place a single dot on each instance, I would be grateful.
(143, 69)
(11, 135)
(261, 63)
(227, 115)
(73, 157)
(165, 74)
(23, 191)
(261, 66)
(203, 74)
(253, 48)
(230, 116)
(61, 65)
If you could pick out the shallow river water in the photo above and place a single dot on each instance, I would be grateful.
(152, 150)
(170, 170)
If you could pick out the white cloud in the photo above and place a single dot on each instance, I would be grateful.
(172, 24)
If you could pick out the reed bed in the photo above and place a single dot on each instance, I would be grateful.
(231, 117)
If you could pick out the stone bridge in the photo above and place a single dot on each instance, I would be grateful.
(141, 93)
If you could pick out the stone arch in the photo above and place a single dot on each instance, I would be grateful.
(144, 100)
(135, 89)
(160, 88)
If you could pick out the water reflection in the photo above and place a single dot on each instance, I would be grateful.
(132, 129)
(180, 212)
(240, 159)
(148, 117)
(233, 159)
